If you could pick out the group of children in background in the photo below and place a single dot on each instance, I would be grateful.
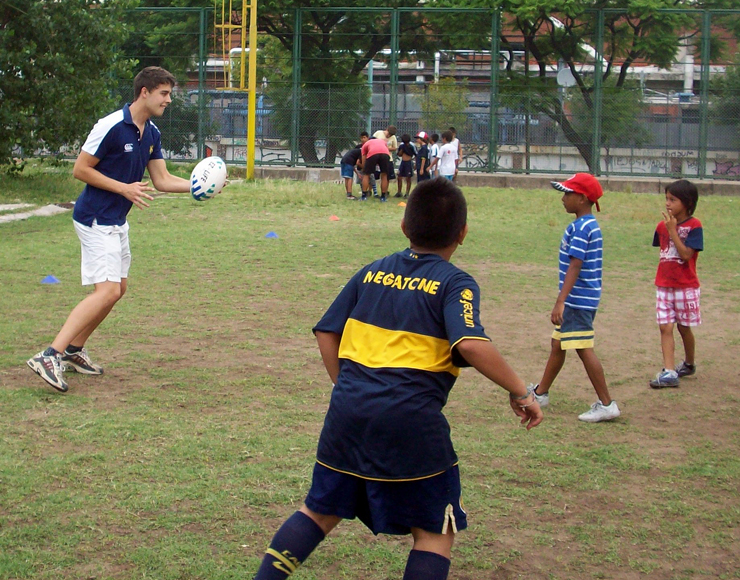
(424, 159)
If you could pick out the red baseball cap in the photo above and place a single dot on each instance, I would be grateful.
(583, 183)
(422, 135)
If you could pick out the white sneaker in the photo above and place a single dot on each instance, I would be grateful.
(49, 368)
(80, 362)
(600, 412)
(543, 399)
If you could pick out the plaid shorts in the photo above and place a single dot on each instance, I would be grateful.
(679, 305)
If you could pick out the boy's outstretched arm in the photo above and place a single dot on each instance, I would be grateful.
(487, 360)
(329, 349)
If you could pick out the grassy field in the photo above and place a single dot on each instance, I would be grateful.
(183, 458)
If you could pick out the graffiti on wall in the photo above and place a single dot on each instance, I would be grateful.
(728, 168)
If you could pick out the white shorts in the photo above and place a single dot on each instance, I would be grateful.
(106, 255)
(679, 305)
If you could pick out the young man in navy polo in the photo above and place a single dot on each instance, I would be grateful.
(112, 162)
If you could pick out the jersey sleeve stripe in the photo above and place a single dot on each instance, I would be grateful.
(100, 130)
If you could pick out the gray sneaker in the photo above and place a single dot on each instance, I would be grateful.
(600, 412)
(543, 399)
(665, 378)
(80, 362)
(50, 369)
(685, 370)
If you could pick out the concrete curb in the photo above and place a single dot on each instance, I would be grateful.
(46, 210)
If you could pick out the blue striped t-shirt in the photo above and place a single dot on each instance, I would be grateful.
(582, 240)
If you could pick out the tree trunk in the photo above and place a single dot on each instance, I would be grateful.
(556, 113)
(331, 153)
(308, 150)
(577, 140)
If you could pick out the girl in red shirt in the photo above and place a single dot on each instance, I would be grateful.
(680, 238)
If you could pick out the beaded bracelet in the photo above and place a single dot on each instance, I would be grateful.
(515, 398)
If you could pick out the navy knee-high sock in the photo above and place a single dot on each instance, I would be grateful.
(426, 566)
(291, 545)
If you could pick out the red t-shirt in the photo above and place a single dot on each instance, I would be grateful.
(673, 272)
(374, 147)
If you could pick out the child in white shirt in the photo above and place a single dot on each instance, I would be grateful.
(447, 157)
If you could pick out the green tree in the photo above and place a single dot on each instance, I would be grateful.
(336, 46)
(620, 119)
(641, 33)
(166, 38)
(548, 32)
(56, 63)
(443, 104)
(330, 110)
(162, 35)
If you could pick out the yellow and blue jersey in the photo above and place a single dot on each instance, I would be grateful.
(399, 319)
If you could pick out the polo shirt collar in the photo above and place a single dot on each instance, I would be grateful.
(127, 118)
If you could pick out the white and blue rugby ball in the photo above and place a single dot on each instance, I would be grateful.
(208, 178)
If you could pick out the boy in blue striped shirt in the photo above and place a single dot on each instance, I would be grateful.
(580, 290)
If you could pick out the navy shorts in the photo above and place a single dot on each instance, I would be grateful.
(433, 504)
(406, 169)
(577, 330)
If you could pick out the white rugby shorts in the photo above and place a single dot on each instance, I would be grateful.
(106, 255)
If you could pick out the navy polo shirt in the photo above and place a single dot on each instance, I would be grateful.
(124, 155)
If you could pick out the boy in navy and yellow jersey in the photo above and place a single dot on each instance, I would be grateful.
(393, 343)
(580, 264)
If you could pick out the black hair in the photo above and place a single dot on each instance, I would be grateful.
(364, 134)
(447, 136)
(452, 129)
(434, 138)
(151, 77)
(436, 213)
(406, 138)
(686, 191)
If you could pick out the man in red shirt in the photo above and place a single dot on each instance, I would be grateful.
(375, 153)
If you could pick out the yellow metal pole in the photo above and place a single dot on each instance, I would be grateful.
(252, 103)
(243, 57)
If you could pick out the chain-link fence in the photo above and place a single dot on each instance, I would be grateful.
(606, 92)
